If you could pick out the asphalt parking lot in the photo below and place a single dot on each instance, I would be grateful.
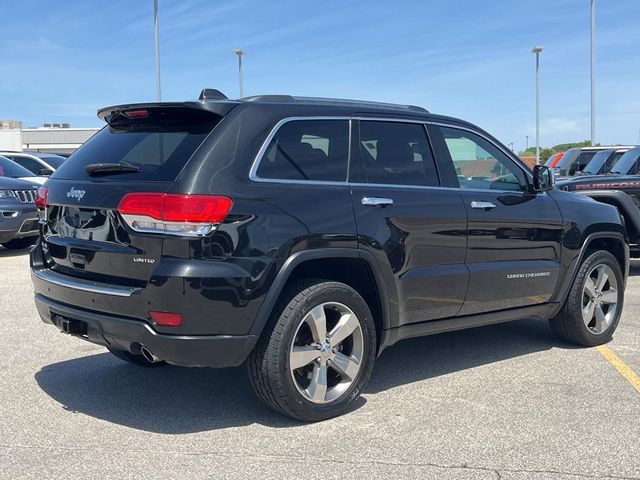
(500, 402)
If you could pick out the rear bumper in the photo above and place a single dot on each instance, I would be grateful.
(129, 335)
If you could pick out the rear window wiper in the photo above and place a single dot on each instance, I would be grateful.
(110, 168)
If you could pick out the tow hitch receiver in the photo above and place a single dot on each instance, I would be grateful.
(69, 325)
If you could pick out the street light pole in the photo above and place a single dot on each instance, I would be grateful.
(157, 47)
(537, 51)
(526, 137)
(239, 52)
(593, 72)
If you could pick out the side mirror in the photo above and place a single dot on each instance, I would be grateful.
(542, 178)
(45, 172)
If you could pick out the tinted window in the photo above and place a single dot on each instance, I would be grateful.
(612, 162)
(627, 164)
(9, 168)
(480, 164)
(315, 150)
(28, 163)
(160, 144)
(54, 160)
(597, 162)
(583, 160)
(394, 153)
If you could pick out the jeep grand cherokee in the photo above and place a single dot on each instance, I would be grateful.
(303, 236)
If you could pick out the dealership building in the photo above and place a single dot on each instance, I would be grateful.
(50, 138)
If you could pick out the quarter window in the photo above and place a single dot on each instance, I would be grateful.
(481, 165)
(315, 150)
(394, 153)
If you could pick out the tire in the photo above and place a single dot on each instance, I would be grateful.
(19, 243)
(343, 363)
(605, 304)
(135, 359)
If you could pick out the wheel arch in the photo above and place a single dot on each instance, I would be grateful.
(354, 267)
(612, 242)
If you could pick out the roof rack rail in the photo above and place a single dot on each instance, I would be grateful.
(343, 101)
(363, 103)
(269, 98)
(212, 94)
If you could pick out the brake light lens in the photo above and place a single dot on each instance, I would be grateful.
(41, 197)
(168, 319)
(136, 113)
(177, 214)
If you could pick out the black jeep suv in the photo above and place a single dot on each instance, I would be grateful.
(304, 236)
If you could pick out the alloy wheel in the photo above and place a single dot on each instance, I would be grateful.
(599, 298)
(326, 353)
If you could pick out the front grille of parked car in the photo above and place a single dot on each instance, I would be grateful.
(26, 196)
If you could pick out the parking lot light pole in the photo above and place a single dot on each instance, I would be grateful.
(537, 51)
(157, 47)
(239, 52)
(593, 72)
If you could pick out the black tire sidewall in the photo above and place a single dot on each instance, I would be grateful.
(574, 303)
(327, 292)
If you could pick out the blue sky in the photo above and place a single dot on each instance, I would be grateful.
(63, 59)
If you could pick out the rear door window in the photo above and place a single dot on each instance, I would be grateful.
(29, 163)
(394, 153)
(159, 142)
(307, 150)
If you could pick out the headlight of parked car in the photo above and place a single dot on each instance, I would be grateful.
(7, 194)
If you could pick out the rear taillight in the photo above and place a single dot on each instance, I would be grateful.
(174, 214)
(41, 197)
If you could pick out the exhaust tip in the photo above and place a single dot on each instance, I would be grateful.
(148, 355)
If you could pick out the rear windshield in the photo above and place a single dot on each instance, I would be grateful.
(160, 142)
(9, 168)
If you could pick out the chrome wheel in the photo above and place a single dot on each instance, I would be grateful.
(327, 352)
(599, 298)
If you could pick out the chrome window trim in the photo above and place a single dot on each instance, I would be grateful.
(263, 148)
(83, 285)
(253, 175)
(431, 187)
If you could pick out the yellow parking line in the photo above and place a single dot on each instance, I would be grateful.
(620, 366)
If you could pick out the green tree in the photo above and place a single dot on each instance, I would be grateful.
(561, 147)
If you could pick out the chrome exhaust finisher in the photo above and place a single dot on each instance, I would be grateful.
(148, 355)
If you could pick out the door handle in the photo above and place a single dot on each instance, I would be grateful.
(482, 205)
(376, 202)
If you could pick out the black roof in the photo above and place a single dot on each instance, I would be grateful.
(216, 102)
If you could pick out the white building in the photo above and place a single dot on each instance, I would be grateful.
(52, 138)
(55, 140)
